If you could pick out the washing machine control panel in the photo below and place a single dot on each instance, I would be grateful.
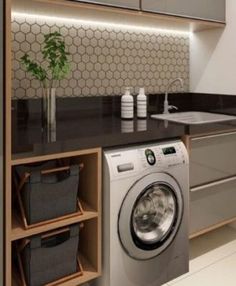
(163, 156)
(130, 161)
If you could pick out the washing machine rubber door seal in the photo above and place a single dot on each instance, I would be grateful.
(150, 216)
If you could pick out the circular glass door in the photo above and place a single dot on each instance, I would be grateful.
(152, 212)
(153, 216)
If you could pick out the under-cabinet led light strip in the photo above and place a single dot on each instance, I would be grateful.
(101, 24)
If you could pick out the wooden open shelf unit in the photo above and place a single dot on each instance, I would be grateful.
(90, 199)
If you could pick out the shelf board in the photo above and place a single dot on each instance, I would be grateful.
(54, 156)
(18, 230)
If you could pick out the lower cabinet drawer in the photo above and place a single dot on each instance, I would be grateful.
(212, 204)
(212, 158)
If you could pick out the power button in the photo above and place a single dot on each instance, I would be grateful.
(150, 156)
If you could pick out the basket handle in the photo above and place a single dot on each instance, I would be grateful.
(46, 172)
(24, 242)
(59, 231)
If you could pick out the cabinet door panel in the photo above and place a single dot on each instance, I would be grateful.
(202, 9)
(216, 10)
(187, 8)
(159, 6)
(133, 4)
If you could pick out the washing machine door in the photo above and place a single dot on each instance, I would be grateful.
(150, 216)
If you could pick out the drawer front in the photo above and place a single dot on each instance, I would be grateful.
(132, 4)
(212, 158)
(212, 205)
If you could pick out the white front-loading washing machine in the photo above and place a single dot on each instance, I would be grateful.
(145, 214)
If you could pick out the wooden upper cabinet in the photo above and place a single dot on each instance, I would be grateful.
(213, 10)
(131, 4)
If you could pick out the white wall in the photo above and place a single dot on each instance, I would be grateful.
(213, 57)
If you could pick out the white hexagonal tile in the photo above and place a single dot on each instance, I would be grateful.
(105, 51)
(45, 29)
(85, 41)
(85, 74)
(15, 46)
(94, 42)
(97, 35)
(105, 67)
(105, 82)
(68, 91)
(77, 91)
(35, 47)
(120, 52)
(35, 84)
(20, 75)
(15, 27)
(102, 43)
(116, 75)
(73, 32)
(109, 59)
(109, 43)
(101, 59)
(20, 37)
(127, 82)
(30, 92)
(94, 91)
(35, 29)
(97, 82)
(109, 90)
(113, 67)
(124, 60)
(40, 38)
(97, 67)
(64, 83)
(86, 91)
(85, 58)
(109, 74)
(97, 51)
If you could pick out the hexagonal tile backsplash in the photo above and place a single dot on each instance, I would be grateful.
(104, 60)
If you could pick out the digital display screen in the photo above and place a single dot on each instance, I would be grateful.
(169, 150)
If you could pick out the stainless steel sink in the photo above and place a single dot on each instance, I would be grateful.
(194, 117)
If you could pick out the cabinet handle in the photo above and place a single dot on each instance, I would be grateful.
(213, 136)
(213, 184)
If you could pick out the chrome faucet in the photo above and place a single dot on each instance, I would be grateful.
(168, 107)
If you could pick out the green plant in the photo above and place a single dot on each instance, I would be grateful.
(54, 53)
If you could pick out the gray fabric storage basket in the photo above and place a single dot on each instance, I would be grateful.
(51, 196)
(47, 260)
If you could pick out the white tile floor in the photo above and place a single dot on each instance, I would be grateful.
(213, 260)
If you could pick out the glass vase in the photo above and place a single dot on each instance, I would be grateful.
(49, 108)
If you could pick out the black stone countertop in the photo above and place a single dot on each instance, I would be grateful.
(90, 122)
